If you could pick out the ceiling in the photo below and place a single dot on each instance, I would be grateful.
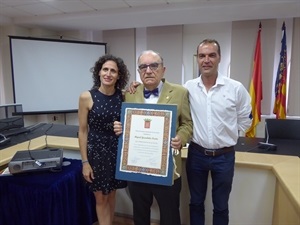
(118, 14)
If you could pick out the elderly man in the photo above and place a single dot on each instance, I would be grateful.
(156, 90)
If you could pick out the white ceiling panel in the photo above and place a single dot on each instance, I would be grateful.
(61, 0)
(39, 9)
(70, 6)
(18, 2)
(186, 1)
(120, 14)
(135, 3)
(12, 12)
(106, 4)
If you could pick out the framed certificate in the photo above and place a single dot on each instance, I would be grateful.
(144, 148)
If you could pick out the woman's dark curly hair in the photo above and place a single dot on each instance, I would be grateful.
(122, 71)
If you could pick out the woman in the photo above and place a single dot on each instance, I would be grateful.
(98, 109)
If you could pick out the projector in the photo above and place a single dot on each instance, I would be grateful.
(36, 160)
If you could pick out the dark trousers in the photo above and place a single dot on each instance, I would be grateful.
(221, 167)
(167, 197)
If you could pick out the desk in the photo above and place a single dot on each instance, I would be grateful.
(45, 136)
(48, 198)
(284, 146)
(58, 130)
(286, 168)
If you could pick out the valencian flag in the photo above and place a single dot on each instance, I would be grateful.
(280, 85)
(256, 87)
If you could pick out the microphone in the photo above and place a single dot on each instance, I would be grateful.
(267, 145)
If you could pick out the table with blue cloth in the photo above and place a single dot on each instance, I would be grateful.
(47, 198)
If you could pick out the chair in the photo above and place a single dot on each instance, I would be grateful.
(283, 129)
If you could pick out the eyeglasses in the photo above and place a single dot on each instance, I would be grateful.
(152, 66)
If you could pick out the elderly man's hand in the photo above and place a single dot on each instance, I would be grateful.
(176, 142)
(132, 87)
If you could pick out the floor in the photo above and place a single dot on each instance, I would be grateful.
(123, 220)
(126, 221)
(120, 220)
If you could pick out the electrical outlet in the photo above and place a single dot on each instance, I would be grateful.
(55, 119)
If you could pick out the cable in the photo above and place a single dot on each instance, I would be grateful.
(38, 163)
(249, 150)
(258, 146)
(46, 133)
(55, 170)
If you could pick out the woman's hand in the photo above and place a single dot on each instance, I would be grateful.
(87, 172)
(117, 127)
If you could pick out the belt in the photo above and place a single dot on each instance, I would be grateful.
(211, 152)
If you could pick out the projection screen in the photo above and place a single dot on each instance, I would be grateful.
(49, 75)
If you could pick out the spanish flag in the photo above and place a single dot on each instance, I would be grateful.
(256, 87)
(280, 85)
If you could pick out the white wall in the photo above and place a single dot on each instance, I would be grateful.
(122, 44)
(194, 34)
(177, 44)
(244, 34)
(294, 103)
(168, 42)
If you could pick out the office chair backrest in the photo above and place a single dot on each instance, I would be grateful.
(11, 116)
(283, 128)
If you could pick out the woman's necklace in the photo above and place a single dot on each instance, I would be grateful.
(106, 91)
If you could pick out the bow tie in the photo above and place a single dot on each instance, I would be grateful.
(147, 93)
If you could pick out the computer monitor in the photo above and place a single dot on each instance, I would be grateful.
(11, 116)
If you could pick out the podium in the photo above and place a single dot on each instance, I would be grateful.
(48, 198)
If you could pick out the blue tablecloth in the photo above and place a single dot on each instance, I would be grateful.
(47, 198)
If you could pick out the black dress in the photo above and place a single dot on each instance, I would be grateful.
(102, 142)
